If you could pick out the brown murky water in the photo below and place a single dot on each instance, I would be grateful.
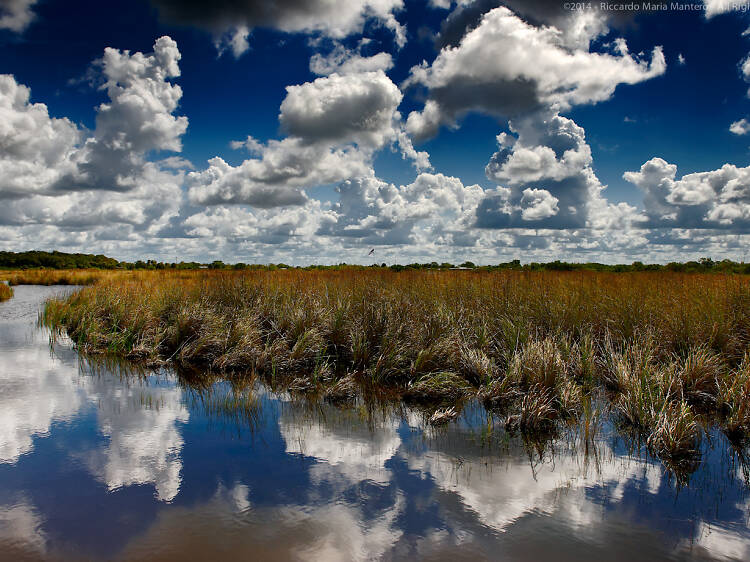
(99, 464)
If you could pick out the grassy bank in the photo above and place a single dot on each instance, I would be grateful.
(44, 276)
(668, 351)
(5, 292)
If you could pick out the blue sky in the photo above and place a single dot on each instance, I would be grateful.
(374, 125)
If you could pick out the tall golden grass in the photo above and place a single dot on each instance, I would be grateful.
(44, 276)
(663, 347)
(5, 292)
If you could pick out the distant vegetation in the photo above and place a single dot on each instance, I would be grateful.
(667, 352)
(61, 260)
(55, 260)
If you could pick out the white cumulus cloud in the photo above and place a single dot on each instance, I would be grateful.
(508, 67)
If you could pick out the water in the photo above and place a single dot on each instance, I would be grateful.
(96, 463)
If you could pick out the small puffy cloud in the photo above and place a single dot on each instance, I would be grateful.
(256, 182)
(507, 67)
(741, 127)
(560, 153)
(745, 68)
(234, 40)
(420, 158)
(16, 15)
(250, 144)
(231, 22)
(537, 204)
(346, 61)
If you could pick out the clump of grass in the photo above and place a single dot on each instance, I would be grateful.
(636, 361)
(641, 396)
(345, 390)
(437, 387)
(538, 363)
(569, 399)
(549, 364)
(475, 365)
(537, 412)
(582, 362)
(734, 397)
(5, 292)
(675, 434)
(700, 375)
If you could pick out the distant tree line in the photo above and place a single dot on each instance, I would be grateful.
(62, 260)
(704, 265)
(55, 260)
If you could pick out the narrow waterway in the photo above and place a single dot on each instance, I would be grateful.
(105, 462)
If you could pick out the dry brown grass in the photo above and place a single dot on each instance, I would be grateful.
(43, 276)
(5, 292)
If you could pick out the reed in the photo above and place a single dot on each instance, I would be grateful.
(6, 292)
(534, 344)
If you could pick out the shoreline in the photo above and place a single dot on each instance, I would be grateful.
(670, 358)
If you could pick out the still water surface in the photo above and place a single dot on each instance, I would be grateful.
(99, 464)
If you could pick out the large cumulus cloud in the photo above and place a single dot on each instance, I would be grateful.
(718, 199)
(546, 180)
(578, 27)
(136, 121)
(334, 125)
(507, 67)
(105, 183)
(35, 149)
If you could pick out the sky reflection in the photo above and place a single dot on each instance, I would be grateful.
(98, 463)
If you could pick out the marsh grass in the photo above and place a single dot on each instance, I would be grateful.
(6, 292)
(438, 387)
(44, 276)
(661, 347)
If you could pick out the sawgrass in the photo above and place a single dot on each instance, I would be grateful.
(661, 347)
